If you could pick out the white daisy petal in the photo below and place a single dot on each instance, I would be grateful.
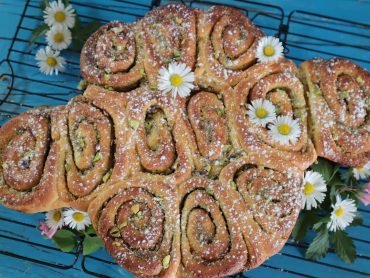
(261, 112)
(313, 188)
(49, 61)
(362, 172)
(59, 37)
(56, 14)
(269, 49)
(177, 79)
(285, 130)
(342, 215)
(76, 219)
(55, 219)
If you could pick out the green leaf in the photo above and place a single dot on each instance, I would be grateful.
(343, 246)
(44, 4)
(90, 230)
(303, 224)
(38, 32)
(319, 224)
(91, 244)
(326, 168)
(347, 176)
(65, 240)
(319, 246)
(357, 220)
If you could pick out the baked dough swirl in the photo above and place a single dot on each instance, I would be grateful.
(211, 239)
(278, 83)
(29, 166)
(338, 93)
(138, 221)
(227, 42)
(113, 56)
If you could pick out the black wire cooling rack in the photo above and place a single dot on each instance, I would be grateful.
(304, 35)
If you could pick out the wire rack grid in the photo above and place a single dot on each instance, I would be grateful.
(305, 35)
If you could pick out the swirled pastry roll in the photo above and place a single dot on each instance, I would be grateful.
(276, 82)
(113, 56)
(210, 140)
(212, 244)
(85, 140)
(160, 135)
(29, 162)
(170, 35)
(138, 221)
(267, 194)
(338, 93)
(227, 42)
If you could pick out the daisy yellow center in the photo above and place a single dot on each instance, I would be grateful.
(261, 112)
(339, 212)
(78, 217)
(51, 61)
(268, 50)
(308, 189)
(58, 37)
(284, 129)
(57, 216)
(176, 80)
(360, 168)
(60, 16)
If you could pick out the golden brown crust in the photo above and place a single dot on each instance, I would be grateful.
(160, 135)
(267, 194)
(138, 221)
(85, 142)
(227, 42)
(113, 56)
(29, 169)
(337, 91)
(211, 240)
(278, 83)
(170, 35)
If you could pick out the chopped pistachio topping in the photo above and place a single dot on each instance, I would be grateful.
(210, 191)
(97, 157)
(317, 90)
(107, 176)
(219, 96)
(343, 95)
(123, 224)
(166, 261)
(67, 166)
(177, 53)
(360, 80)
(82, 85)
(115, 232)
(135, 208)
(134, 124)
(220, 112)
(217, 55)
(233, 185)
(208, 168)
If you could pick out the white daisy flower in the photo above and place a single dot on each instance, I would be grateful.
(285, 130)
(54, 219)
(269, 49)
(342, 215)
(76, 219)
(59, 37)
(313, 189)
(56, 14)
(362, 172)
(177, 79)
(49, 61)
(261, 112)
